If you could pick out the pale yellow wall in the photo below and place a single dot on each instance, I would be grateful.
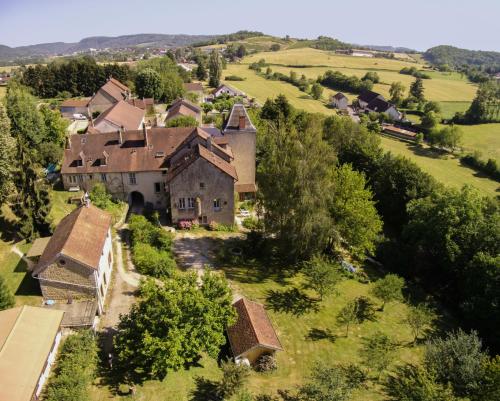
(243, 148)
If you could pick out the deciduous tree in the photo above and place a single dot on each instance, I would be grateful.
(322, 276)
(7, 155)
(389, 289)
(420, 318)
(215, 68)
(148, 84)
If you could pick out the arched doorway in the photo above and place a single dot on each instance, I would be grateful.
(136, 202)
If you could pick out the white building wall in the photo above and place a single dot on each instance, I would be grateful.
(105, 269)
(50, 361)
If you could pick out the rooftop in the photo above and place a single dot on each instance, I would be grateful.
(122, 114)
(27, 334)
(193, 87)
(253, 328)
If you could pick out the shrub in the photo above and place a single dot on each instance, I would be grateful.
(182, 121)
(184, 224)
(152, 261)
(234, 78)
(266, 363)
(214, 226)
(252, 223)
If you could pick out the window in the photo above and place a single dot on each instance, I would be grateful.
(79, 163)
(182, 203)
(132, 179)
(216, 204)
(204, 219)
(80, 177)
(91, 177)
(62, 262)
(102, 292)
(190, 203)
(72, 179)
(109, 258)
(165, 187)
(157, 187)
(104, 278)
(164, 172)
(104, 178)
(202, 185)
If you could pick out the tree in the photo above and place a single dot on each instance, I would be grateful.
(490, 386)
(201, 70)
(432, 106)
(389, 289)
(459, 360)
(417, 89)
(148, 84)
(182, 121)
(419, 318)
(322, 276)
(7, 154)
(215, 68)
(396, 91)
(173, 323)
(316, 91)
(6, 298)
(371, 76)
(328, 382)
(275, 47)
(234, 377)
(242, 51)
(348, 315)
(416, 383)
(377, 352)
(486, 105)
(430, 120)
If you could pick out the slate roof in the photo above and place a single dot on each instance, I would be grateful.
(368, 96)
(79, 236)
(253, 328)
(233, 122)
(122, 114)
(27, 334)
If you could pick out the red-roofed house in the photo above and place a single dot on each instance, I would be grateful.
(253, 334)
(109, 94)
(121, 115)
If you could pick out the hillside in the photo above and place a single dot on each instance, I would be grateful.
(456, 57)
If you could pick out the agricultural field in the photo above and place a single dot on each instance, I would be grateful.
(484, 138)
(448, 109)
(444, 167)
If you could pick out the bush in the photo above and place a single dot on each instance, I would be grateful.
(234, 78)
(266, 363)
(76, 368)
(252, 223)
(152, 261)
(182, 121)
(489, 167)
(143, 231)
(187, 224)
(214, 226)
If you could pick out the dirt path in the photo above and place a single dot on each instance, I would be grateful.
(19, 253)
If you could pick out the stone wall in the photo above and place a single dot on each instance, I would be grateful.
(243, 146)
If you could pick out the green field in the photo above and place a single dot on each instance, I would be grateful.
(3, 91)
(482, 137)
(448, 109)
(445, 168)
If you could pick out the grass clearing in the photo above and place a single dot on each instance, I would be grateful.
(482, 137)
(449, 108)
(444, 167)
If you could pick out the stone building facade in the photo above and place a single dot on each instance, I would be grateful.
(77, 261)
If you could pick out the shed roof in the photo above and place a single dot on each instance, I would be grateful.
(253, 328)
(79, 236)
(26, 337)
(38, 247)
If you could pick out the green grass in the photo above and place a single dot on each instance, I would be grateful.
(445, 168)
(482, 137)
(3, 91)
(60, 204)
(448, 109)
(294, 328)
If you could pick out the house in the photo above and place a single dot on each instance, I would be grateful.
(29, 339)
(227, 90)
(366, 97)
(121, 115)
(181, 170)
(253, 334)
(112, 92)
(378, 105)
(362, 53)
(77, 261)
(339, 101)
(146, 104)
(196, 88)
(241, 134)
(74, 106)
(183, 108)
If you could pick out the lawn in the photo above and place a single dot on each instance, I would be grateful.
(3, 91)
(445, 168)
(482, 137)
(307, 330)
(448, 109)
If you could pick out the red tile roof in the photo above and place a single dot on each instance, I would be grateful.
(115, 89)
(122, 114)
(193, 87)
(253, 328)
(183, 107)
(141, 103)
(79, 236)
(75, 102)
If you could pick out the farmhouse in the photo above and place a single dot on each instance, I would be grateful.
(399, 132)
(227, 90)
(367, 97)
(378, 105)
(77, 261)
(183, 108)
(120, 115)
(112, 92)
(29, 339)
(253, 334)
(339, 101)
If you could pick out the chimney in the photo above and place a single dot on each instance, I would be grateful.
(68, 142)
(145, 131)
(209, 143)
(120, 133)
(242, 124)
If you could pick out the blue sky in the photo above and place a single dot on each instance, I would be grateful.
(418, 24)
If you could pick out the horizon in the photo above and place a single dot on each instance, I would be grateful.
(349, 25)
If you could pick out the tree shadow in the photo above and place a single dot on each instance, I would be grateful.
(316, 334)
(8, 229)
(28, 285)
(291, 301)
(205, 390)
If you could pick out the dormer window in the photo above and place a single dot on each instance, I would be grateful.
(79, 163)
